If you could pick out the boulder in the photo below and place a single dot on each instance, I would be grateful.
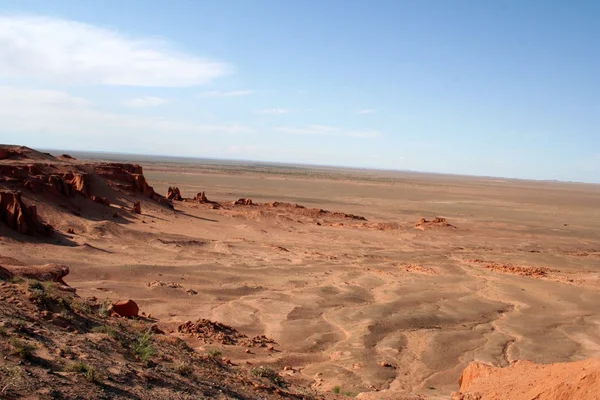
(126, 308)
(137, 207)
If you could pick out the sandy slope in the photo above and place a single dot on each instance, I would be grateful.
(362, 305)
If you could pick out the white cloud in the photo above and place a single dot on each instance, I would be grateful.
(148, 101)
(58, 50)
(231, 93)
(324, 130)
(54, 112)
(274, 111)
(366, 111)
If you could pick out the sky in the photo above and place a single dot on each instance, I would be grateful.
(505, 88)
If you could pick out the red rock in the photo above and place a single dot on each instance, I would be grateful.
(4, 154)
(525, 380)
(19, 217)
(5, 274)
(173, 193)
(68, 157)
(126, 308)
(101, 200)
(437, 222)
(46, 272)
(243, 202)
(129, 177)
(201, 197)
(137, 207)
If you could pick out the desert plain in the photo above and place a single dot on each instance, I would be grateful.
(333, 265)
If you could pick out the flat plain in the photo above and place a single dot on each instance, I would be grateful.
(362, 304)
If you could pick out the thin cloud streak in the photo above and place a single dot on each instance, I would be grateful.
(231, 93)
(148, 101)
(324, 130)
(274, 111)
(57, 50)
(50, 112)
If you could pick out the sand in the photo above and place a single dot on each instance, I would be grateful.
(358, 305)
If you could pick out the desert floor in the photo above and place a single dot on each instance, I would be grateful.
(362, 305)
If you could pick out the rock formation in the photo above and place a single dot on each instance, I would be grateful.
(173, 193)
(201, 198)
(525, 380)
(129, 177)
(19, 217)
(243, 202)
(137, 207)
(437, 222)
(46, 272)
(101, 200)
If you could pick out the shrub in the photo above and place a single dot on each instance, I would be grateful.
(214, 353)
(269, 374)
(183, 368)
(9, 376)
(21, 347)
(85, 369)
(105, 329)
(142, 347)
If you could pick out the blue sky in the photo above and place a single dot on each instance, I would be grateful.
(497, 88)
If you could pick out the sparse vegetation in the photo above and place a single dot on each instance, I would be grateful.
(16, 280)
(105, 329)
(85, 369)
(214, 353)
(269, 374)
(142, 347)
(9, 377)
(337, 389)
(104, 310)
(21, 347)
(183, 368)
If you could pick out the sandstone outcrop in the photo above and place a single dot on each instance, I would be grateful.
(129, 177)
(173, 193)
(137, 207)
(525, 380)
(19, 217)
(46, 272)
(437, 222)
(243, 202)
(201, 198)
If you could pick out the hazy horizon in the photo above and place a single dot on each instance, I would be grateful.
(165, 158)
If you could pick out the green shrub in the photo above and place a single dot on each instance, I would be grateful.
(183, 368)
(85, 369)
(105, 329)
(269, 374)
(142, 347)
(21, 347)
(214, 353)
